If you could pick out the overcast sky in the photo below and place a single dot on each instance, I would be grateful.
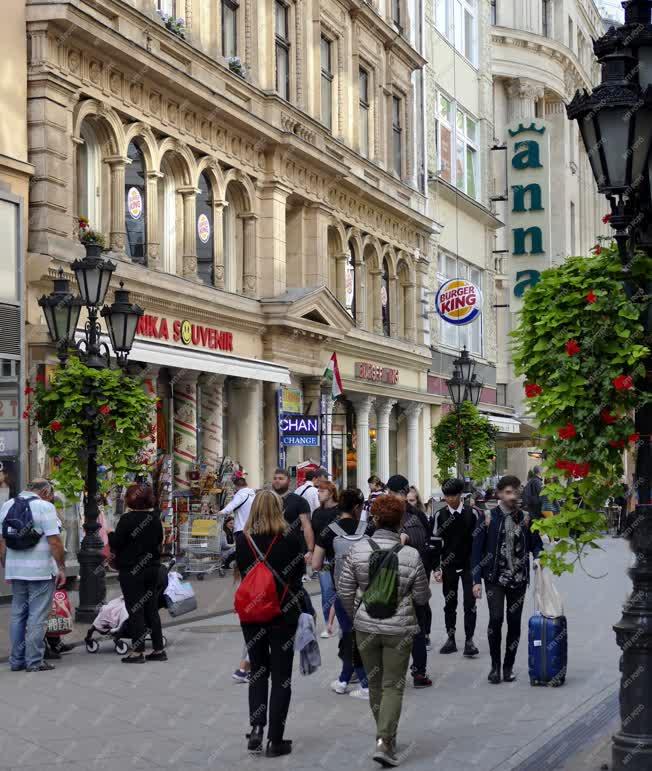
(613, 8)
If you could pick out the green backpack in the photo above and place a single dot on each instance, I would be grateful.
(380, 599)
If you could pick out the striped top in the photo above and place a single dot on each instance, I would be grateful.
(35, 564)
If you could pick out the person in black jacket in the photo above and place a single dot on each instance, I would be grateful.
(271, 645)
(136, 544)
(453, 530)
(501, 555)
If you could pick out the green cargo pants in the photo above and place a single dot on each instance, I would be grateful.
(386, 658)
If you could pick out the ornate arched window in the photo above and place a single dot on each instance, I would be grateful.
(384, 298)
(205, 264)
(89, 177)
(135, 205)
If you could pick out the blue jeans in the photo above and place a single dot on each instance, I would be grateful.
(346, 627)
(327, 588)
(30, 606)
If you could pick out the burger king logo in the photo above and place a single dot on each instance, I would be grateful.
(458, 301)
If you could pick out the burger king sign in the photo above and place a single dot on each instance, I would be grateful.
(458, 301)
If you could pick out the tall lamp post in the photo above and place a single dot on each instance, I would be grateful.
(62, 309)
(615, 121)
(464, 386)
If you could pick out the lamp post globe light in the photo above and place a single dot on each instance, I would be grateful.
(464, 386)
(62, 309)
(615, 122)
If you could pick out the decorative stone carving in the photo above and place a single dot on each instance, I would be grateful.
(115, 82)
(95, 72)
(155, 103)
(136, 93)
(74, 61)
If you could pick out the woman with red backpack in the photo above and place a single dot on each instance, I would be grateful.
(269, 602)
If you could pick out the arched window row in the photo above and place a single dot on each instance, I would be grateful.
(160, 206)
(375, 284)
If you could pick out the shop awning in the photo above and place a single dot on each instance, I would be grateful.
(505, 425)
(205, 361)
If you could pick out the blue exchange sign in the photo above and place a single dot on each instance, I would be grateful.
(299, 430)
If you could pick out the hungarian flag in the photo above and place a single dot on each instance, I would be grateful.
(332, 376)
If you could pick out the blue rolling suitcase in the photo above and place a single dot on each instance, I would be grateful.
(547, 650)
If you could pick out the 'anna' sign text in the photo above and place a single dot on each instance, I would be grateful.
(528, 180)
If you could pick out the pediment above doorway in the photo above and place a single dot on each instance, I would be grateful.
(314, 310)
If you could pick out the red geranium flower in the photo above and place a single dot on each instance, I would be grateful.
(25, 414)
(563, 465)
(597, 249)
(532, 390)
(159, 405)
(28, 390)
(633, 438)
(104, 409)
(617, 443)
(606, 219)
(572, 347)
(567, 432)
(40, 378)
(55, 425)
(623, 383)
(607, 417)
(591, 297)
(581, 470)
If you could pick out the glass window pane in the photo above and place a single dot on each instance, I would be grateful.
(398, 165)
(364, 86)
(9, 261)
(326, 101)
(396, 111)
(445, 108)
(460, 121)
(281, 20)
(459, 164)
(364, 132)
(471, 157)
(446, 153)
(229, 33)
(468, 36)
(325, 55)
(471, 129)
(282, 71)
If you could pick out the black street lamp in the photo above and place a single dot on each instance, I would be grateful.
(615, 121)
(61, 310)
(464, 386)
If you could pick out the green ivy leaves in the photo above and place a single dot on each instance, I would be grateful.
(583, 300)
(120, 412)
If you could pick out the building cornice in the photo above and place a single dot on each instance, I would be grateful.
(472, 207)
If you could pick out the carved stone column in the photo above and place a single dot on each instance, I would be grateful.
(373, 301)
(189, 195)
(250, 283)
(340, 277)
(185, 426)
(394, 299)
(117, 232)
(153, 230)
(360, 293)
(218, 242)
(362, 410)
(383, 411)
(523, 96)
(413, 413)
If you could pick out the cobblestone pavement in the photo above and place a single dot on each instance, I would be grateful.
(95, 713)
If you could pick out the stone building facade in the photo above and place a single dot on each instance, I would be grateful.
(258, 171)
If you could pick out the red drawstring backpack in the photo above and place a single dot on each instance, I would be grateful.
(256, 600)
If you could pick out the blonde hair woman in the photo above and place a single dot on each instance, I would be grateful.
(271, 644)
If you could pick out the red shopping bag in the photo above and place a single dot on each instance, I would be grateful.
(60, 618)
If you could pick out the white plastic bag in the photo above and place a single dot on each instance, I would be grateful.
(179, 596)
(547, 599)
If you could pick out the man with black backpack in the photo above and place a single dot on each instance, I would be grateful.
(32, 555)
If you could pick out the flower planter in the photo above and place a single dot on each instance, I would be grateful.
(93, 250)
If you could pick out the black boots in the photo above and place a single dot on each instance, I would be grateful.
(508, 673)
(449, 646)
(276, 750)
(470, 649)
(494, 675)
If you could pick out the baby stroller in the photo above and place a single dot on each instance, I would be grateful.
(112, 622)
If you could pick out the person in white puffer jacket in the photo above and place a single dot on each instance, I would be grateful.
(385, 644)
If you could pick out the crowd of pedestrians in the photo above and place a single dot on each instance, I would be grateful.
(376, 559)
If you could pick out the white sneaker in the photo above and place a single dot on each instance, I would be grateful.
(360, 693)
(326, 635)
(339, 687)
